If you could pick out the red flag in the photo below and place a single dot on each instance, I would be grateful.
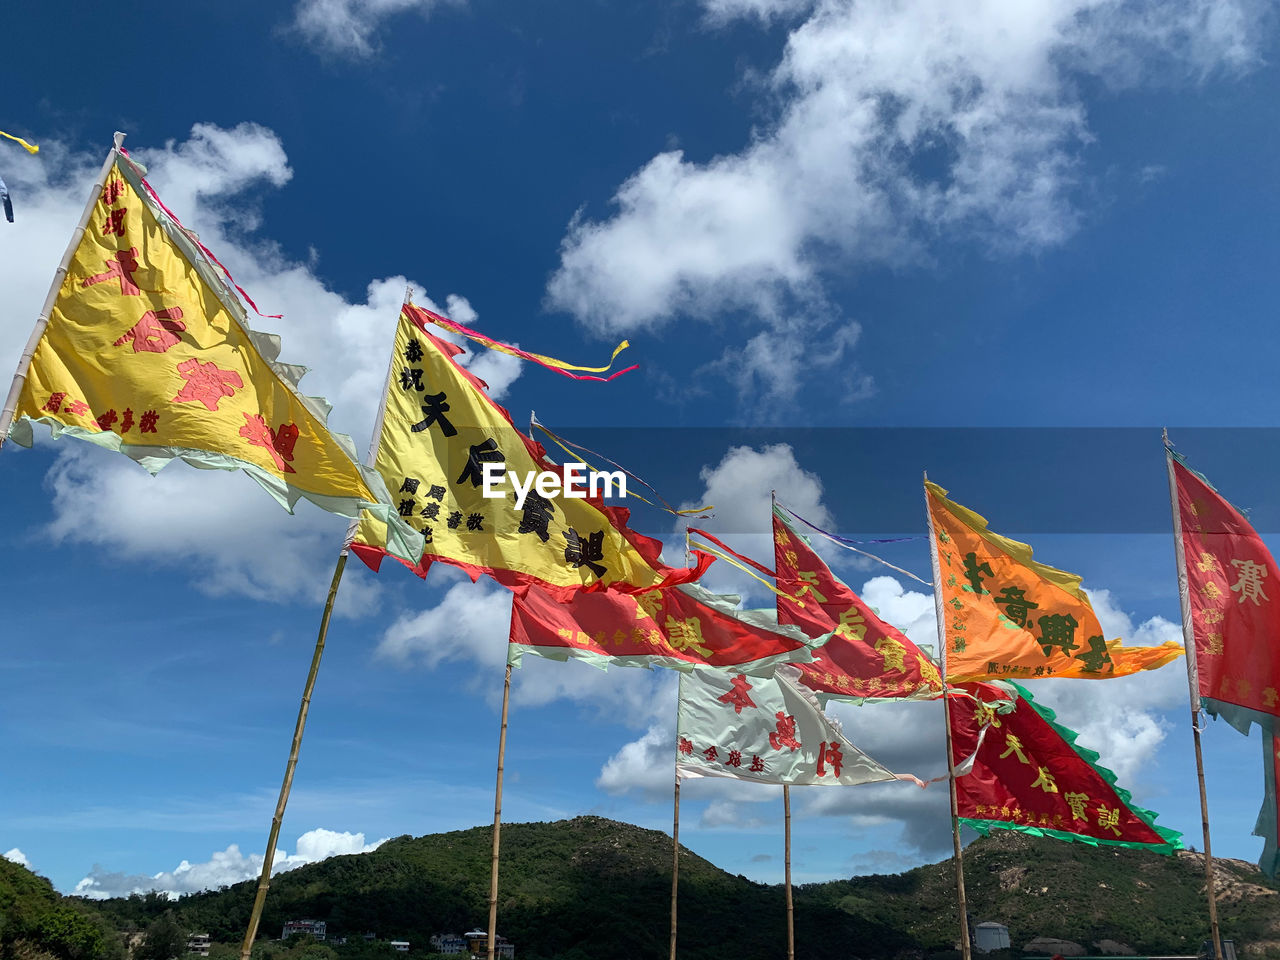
(1233, 595)
(680, 627)
(865, 657)
(1028, 774)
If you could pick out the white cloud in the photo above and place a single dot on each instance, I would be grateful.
(348, 26)
(206, 181)
(893, 124)
(722, 11)
(223, 867)
(17, 856)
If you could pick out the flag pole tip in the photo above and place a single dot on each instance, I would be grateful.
(118, 138)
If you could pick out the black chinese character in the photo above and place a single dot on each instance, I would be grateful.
(411, 379)
(431, 511)
(410, 485)
(434, 411)
(481, 453)
(585, 554)
(436, 492)
(475, 521)
(455, 518)
(413, 352)
(406, 508)
(536, 514)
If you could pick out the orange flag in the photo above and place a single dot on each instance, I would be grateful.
(1010, 617)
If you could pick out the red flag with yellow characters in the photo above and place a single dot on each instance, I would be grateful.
(865, 658)
(1008, 616)
(148, 352)
(442, 437)
(1231, 581)
(1017, 769)
(680, 628)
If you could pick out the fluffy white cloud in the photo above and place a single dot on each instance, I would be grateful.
(204, 179)
(223, 867)
(349, 26)
(895, 123)
(17, 856)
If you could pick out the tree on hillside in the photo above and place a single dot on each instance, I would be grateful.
(165, 940)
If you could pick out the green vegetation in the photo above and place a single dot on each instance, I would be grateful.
(595, 888)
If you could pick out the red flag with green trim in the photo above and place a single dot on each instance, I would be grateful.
(1027, 773)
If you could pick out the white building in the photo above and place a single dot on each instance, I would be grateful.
(198, 943)
(400, 946)
(316, 928)
(448, 943)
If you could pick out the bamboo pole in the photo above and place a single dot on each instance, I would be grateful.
(786, 866)
(1193, 686)
(497, 817)
(675, 865)
(42, 321)
(268, 856)
(965, 951)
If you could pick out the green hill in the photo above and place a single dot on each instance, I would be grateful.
(595, 888)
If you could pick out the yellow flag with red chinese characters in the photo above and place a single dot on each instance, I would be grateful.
(1008, 616)
(441, 434)
(147, 352)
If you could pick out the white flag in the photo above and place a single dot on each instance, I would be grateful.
(770, 730)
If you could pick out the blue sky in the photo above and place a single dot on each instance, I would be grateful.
(804, 214)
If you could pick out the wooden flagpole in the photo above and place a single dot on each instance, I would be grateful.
(42, 321)
(786, 866)
(497, 817)
(946, 714)
(264, 881)
(675, 865)
(268, 856)
(1193, 684)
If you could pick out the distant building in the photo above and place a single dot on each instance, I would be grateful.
(478, 945)
(316, 928)
(991, 936)
(198, 943)
(400, 946)
(449, 943)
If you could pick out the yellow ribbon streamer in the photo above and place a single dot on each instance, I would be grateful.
(33, 148)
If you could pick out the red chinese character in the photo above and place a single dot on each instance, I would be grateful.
(735, 759)
(206, 383)
(114, 223)
(111, 192)
(738, 695)
(127, 422)
(120, 267)
(107, 419)
(711, 754)
(54, 403)
(684, 746)
(78, 407)
(829, 753)
(757, 765)
(279, 443)
(785, 735)
(155, 332)
(148, 422)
